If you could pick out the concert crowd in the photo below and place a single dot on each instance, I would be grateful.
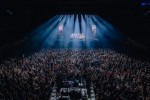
(115, 76)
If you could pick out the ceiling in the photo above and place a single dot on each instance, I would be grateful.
(20, 17)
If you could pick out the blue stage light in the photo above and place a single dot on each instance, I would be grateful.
(77, 31)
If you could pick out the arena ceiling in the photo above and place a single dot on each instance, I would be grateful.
(20, 17)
